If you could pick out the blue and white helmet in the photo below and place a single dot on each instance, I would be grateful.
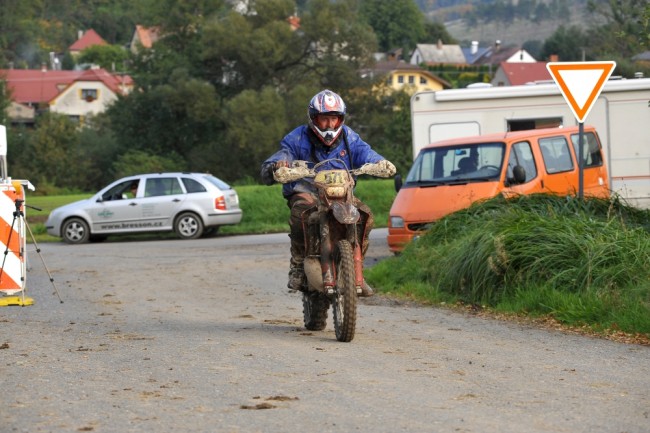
(327, 102)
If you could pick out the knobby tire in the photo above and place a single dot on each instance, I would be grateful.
(345, 293)
(314, 308)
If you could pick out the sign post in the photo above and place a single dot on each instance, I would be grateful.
(580, 84)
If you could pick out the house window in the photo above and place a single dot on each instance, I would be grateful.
(411, 79)
(89, 94)
(400, 79)
(423, 80)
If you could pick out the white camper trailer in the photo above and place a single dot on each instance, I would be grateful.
(621, 115)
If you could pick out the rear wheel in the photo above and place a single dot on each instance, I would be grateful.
(314, 308)
(188, 226)
(345, 293)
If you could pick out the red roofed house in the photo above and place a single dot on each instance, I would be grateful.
(77, 94)
(87, 39)
(515, 74)
(144, 37)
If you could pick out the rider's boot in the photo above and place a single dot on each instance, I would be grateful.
(297, 277)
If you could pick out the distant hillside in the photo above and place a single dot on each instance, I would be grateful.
(480, 20)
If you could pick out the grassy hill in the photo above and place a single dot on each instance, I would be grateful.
(455, 15)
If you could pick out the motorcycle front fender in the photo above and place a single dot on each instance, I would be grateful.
(345, 213)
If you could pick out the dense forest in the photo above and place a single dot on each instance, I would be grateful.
(230, 78)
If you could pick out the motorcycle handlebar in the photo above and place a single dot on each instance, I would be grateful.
(299, 170)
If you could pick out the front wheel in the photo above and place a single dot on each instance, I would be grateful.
(345, 293)
(75, 231)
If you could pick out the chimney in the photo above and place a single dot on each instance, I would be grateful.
(80, 34)
(553, 58)
(439, 44)
(497, 45)
(43, 67)
(474, 48)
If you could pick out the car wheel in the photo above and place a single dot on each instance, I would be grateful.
(188, 226)
(75, 231)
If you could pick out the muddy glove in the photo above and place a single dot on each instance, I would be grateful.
(291, 172)
(383, 168)
(268, 169)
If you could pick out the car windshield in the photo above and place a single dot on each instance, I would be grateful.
(457, 164)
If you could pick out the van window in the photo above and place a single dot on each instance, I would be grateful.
(555, 151)
(482, 161)
(522, 154)
(592, 155)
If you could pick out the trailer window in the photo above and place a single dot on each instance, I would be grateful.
(555, 151)
(592, 156)
(526, 124)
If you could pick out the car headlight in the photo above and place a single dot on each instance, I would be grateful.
(397, 222)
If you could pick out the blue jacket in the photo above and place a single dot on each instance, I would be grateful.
(301, 144)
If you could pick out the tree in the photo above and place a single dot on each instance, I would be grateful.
(626, 29)
(109, 57)
(138, 161)
(385, 123)
(242, 80)
(168, 119)
(434, 32)
(51, 154)
(568, 43)
(5, 101)
(257, 122)
(397, 23)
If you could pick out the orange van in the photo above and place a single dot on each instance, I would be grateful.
(450, 175)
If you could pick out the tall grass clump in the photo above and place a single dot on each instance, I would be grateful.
(582, 261)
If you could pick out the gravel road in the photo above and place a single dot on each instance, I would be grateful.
(202, 336)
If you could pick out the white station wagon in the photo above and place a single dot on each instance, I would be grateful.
(190, 204)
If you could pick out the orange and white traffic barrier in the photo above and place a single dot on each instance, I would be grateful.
(12, 238)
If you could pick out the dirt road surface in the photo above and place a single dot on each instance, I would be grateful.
(202, 336)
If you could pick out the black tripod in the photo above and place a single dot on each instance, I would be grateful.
(19, 217)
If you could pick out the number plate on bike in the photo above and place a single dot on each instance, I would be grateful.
(334, 182)
(332, 177)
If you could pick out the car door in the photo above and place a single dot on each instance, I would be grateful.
(163, 197)
(561, 173)
(521, 153)
(115, 211)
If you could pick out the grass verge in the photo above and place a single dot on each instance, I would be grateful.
(584, 263)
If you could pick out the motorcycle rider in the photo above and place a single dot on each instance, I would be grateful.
(324, 136)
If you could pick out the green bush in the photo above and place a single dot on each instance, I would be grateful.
(582, 261)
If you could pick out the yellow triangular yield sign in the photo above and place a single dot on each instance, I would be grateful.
(580, 83)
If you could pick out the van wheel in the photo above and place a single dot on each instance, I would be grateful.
(188, 226)
(75, 231)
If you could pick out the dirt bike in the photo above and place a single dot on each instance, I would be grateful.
(334, 235)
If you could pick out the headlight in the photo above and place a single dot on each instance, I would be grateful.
(397, 222)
